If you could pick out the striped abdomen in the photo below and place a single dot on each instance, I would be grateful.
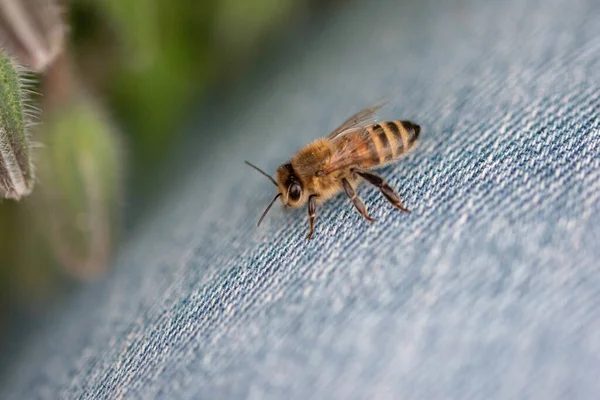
(389, 140)
(376, 145)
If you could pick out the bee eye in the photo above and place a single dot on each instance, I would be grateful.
(295, 192)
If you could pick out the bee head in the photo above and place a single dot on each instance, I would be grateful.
(289, 186)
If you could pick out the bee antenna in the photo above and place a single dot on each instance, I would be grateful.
(268, 208)
(262, 172)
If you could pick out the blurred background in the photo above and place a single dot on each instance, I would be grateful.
(111, 86)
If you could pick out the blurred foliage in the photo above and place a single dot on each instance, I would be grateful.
(168, 52)
(79, 198)
(121, 85)
(32, 31)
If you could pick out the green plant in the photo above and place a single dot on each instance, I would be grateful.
(16, 168)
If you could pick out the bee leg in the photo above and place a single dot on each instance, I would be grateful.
(358, 203)
(389, 193)
(312, 211)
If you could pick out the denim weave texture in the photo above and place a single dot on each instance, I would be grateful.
(489, 289)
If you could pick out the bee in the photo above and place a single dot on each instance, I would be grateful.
(335, 163)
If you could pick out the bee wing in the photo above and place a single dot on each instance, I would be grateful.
(358, 121)
(347, 153)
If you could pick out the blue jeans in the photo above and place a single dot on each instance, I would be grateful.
(489, 289)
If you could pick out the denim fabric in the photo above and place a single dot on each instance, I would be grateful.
(490, 289)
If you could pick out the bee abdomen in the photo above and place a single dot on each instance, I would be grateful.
(388, 140)
(412, 130)
(392, 139)
(405, 134)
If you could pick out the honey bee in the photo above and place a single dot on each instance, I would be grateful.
(329, 165)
